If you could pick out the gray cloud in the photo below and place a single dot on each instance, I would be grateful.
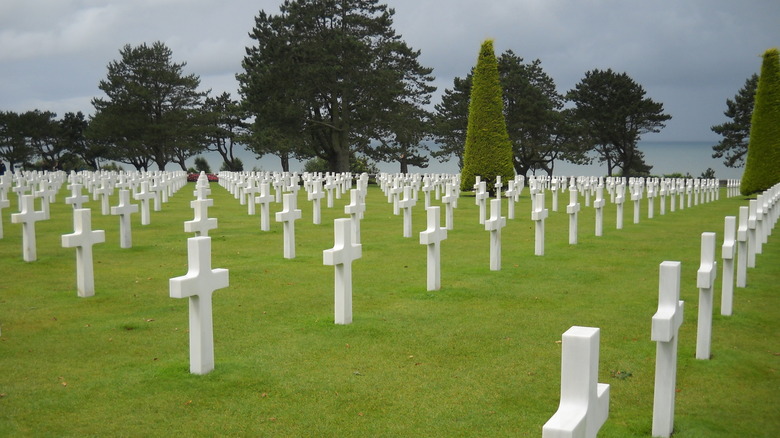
(690, 55)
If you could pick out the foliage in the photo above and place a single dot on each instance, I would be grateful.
(762, 167)
(615, 113)
(236, 165)
(708, 174)
(488, 151)
(451, 120)
(357, 165)
(736, 133)
(404, 142)
(201, 165)
(325, 76)
(14, 146)
(152, 111)
(112, 167)
(225, 126)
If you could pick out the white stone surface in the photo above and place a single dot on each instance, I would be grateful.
(28, 216)
(341, 256)
(494, 225)
(664, 331)
(572, 209)
(199, 285)
(124, 210)
(705, 281)
(742, 246)
(82, 239)
(584, 405)
(728, 253)
(538, 215)
(288, 216)
(202, 223)
(432, 237)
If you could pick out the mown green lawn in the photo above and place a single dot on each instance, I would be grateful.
(480, 357)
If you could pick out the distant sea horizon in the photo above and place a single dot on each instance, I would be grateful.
(666, 157)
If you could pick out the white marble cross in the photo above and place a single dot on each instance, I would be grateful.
(315, 196)
(144, 195)
(250, 189)
(584, 405)
(28, 216)
(598, 205)
(705, 281)
(636, 196)
(124, 210)
(759, 223)
(355, 210)
(76, 198)
(571, 210)
(510, 194)
(330, 185)
(619, 199)
(432, 237)
(538, 215)
(264, 199)
(427, 188)
(498, 186)
(651, 185)
(742, 246)
(4, 203)
(406, 205)
(103, 192)
(198, 285)
(752, 223)
(45, 193)
(494, 225)
(341, 256)
(82, 239)
(481, 200)
(554, 184)
(664, 330)
(450, 200)
(202, 223)
(288, 216)
(728, 252)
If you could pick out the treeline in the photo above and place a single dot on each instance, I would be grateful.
(331, 82)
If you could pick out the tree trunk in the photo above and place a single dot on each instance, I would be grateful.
(404, 165)
(285, 157)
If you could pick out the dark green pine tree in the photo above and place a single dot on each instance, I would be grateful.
(762, 167)
(488, 151)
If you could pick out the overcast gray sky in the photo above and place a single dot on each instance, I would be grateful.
(691, 55)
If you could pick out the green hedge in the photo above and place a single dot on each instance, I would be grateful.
(488, 151)
(762, 168)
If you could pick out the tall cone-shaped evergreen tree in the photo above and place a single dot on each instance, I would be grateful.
(762, 168)
(488, 151)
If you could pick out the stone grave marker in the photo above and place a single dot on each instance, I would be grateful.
(619, 199)
(124, 210)
(538, 215)
(481, 200)
(202, 223)
(636, 196)
(406, 205)
(664, 331)
(355, 210)
(584, 405)
(705, 281)
(450, 200)
(315, 196)
(511, 198)
(341, 256)
(752, 223)
(144, 195)
(728, 252)
(76, 198)
(264, 199)
(199, 285)
(82, 239)
(598, 205)
(28, 216)
(432, 237)
(742, 246)
(759, 223)
(571, 210)
(288, 216)
(494, 225)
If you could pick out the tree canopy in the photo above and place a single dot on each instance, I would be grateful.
(151, 112)
(736, 133)
(762, 167)
(324, 77)
(488, 151)
(615, 113)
